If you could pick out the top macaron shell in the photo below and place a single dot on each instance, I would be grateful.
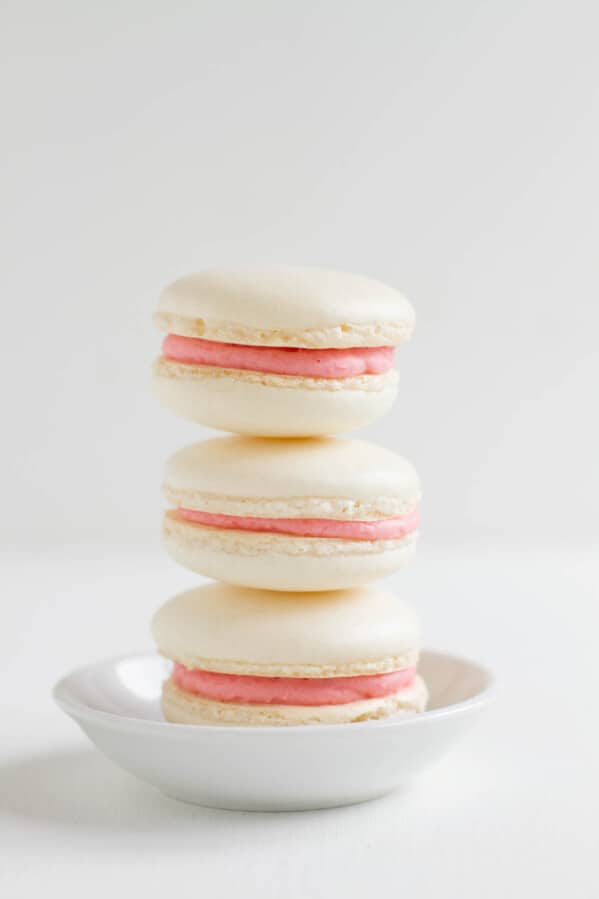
(236, 630)
(280, 307)
(326, 477)
(283, 305)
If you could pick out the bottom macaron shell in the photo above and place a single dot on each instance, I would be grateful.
(277, 562)
(180, 707)
(267, 405)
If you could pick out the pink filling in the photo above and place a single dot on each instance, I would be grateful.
(385, 529)
(327, 363)
(290, 690)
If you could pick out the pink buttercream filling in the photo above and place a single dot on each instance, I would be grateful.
(327, 363)
(290, 690)
(383, 529)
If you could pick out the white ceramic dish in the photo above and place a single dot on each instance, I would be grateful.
(117, 704)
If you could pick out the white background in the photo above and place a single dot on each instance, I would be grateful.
(447, 148)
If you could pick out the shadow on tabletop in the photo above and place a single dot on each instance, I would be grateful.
(81, 790)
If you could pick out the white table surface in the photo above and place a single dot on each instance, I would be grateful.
(512, 811)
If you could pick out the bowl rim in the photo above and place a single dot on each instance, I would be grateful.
(84, 713)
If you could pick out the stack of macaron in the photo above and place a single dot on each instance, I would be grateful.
(293, 523)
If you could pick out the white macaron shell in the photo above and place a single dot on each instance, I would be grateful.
(272, 405)
(222, 627)
(279, 562)
(319, 477)
(286, 305)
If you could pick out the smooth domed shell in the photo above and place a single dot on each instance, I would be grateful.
(282, 305)
(347, 475)
(223, 627)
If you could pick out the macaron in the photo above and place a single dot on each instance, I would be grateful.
(252, 657)
(308, 514)
(280, 351)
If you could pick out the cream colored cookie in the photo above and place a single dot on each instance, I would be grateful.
(274, 562)
(284, 305)
(279, 307)
(272, 405)
(237, 630)
(343, 494)
(254, 657)
(322, 478)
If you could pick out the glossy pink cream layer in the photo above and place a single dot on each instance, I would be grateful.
(290, 690)
(326, 363)
(383, 529)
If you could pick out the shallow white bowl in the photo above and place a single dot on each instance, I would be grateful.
(117, 704)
